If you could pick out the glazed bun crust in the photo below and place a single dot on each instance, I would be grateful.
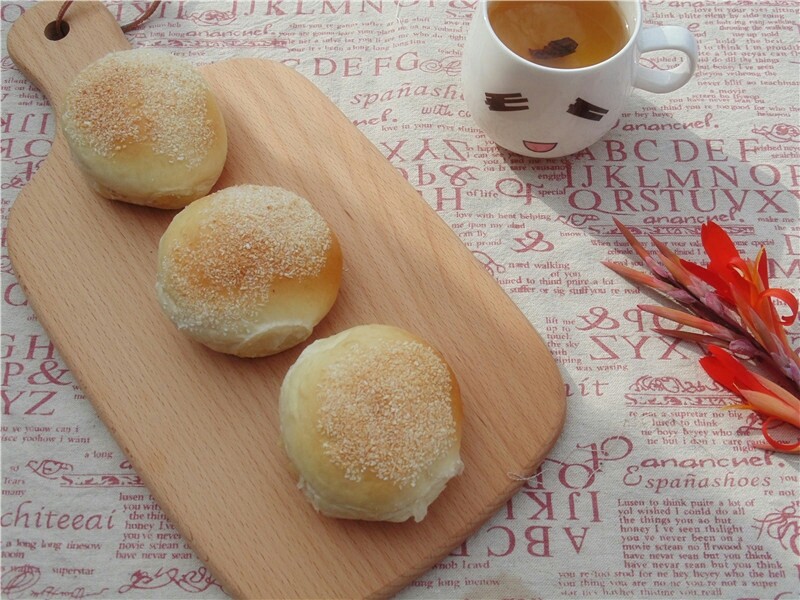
(145, 128)
(248, 270)
(371, 420)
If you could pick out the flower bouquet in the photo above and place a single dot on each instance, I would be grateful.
(732, 306)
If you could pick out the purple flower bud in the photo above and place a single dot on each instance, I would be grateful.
(682, 296)
(794, 373)
(657, 268)
(712, 301)
(787, 366)
(743, 348)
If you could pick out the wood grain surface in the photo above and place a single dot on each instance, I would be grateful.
(202, 428)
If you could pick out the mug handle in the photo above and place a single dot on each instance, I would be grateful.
(667, 37)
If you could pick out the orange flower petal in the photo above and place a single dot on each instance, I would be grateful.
(780, 392)
(688, 319)
(771, 406)
(664, 249)
(638, 248)
(761, 267)
(640, 277)
(787, 298)
(751, 320)
(689, 336)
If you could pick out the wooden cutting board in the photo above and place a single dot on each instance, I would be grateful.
(202, 428)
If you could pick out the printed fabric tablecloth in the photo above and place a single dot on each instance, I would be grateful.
(653, 490)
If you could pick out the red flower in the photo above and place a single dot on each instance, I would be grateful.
(730, 302)
(744, 285)
(759, 393)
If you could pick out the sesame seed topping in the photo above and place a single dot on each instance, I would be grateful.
(140, 96)
(241, 241)
(385, 409)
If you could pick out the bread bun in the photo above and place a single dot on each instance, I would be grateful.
(371, 419)
(249, 270)
(145, 128)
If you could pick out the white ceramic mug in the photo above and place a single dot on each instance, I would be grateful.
(544, 112)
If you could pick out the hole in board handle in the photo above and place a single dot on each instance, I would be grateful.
(51, 33)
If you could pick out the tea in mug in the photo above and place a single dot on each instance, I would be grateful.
(563, 34)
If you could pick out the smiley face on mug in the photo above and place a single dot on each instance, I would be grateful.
(515, 102)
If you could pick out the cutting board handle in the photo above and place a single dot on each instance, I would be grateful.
(52, 64)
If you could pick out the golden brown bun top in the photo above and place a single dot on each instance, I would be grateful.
(137, 97)
(222, 253)
(386, 407)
